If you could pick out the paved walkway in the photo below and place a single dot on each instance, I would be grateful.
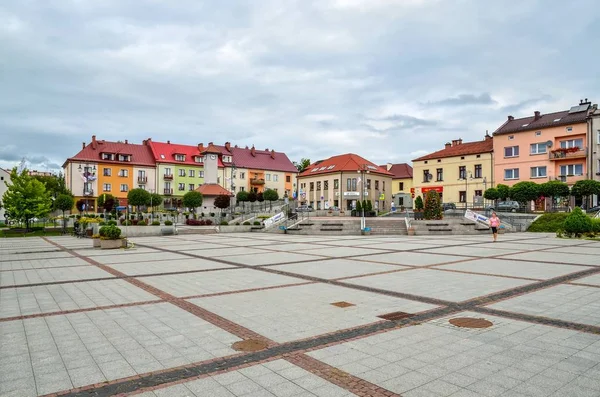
(337, 316)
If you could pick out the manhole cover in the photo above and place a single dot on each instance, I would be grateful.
(342, 304)
(467, 322)
(249, 345)
(395, 316)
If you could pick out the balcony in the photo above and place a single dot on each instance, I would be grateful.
(570, 179)
(89, 192)
(168, 177)
(142, 179)
(567, 154)
(168, 192)
(257, 181)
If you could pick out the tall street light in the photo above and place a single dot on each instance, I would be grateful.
(87, 178)
(362, 171)
(465, 177)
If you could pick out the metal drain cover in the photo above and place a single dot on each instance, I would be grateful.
(395, 316)
(342, 304)
(249, 345)
(468, 322)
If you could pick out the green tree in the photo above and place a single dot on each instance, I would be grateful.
(26, 197)
(433, 206)
(193, 200)
(222, 201)
(55, 184)
(359, 207)
(260, 198)
(554, 190)
(271, 195)
(578, 223)
(503, 191)
(491, 194)
(242, 197)
(103, 199)
(138, 197)
(585, 188)
(302, 164)
(64, 202)
(524, 192)
(252, 197)
(369, 206)
(419, 203)
(156, 200)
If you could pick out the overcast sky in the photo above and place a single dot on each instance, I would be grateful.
(387, 79)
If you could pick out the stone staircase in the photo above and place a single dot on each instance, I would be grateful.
(387, 226)
(328, 227)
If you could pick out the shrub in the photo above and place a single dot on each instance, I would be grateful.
(156, 223)
(256, 223)
(548, 223)
(577, 223)
(596, 225)
(419, 203)
(237, 223)
(110, 232)
(101, 223)
(143, 222)
(246, 223)
(126, 223)
(111, 222)
(224, 223)
(433, 206)
(208, 222)
(168, 222)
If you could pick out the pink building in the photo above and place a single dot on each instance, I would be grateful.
(543, 147)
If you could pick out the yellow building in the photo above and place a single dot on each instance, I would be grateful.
(460, 172)
(402, 182)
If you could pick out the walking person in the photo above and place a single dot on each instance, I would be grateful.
(494, 224)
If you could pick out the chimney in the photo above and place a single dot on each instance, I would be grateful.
(210, 143)
(273, 154)
(266, 149)
(168, 142)
(536, 115)
(228, 146)
(83, 145)
(456, 142)
(510, 118)
(246, 146)
(448, 144)
(126, 141)
(236, 146)
(201, 147)
(94, 144)
(487, 136)
(253, 151)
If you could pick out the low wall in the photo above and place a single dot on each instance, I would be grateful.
(449, 226)
(234, 228)
(139, 231)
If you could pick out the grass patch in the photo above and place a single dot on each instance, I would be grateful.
(10, 233)
(548, 223)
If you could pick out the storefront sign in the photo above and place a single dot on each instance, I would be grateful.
(438, 189)
(351, 194)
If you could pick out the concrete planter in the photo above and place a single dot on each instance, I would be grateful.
(111, 244)
(96, 242)
(234, 228)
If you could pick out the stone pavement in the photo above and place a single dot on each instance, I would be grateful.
(336, 316)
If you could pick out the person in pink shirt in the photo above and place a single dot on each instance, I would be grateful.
(494, 224)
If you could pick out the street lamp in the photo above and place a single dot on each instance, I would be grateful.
(87, 178)
(466, 176)
(232, 185)
(362, 170)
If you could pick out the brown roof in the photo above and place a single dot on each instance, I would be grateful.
(400, 171)
(344, 162)
(140, 154)
(539, 121)
(262, 160)
(211, 149)
(212, 189)
(461, 149)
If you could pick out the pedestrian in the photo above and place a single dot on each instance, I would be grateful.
(494, 224)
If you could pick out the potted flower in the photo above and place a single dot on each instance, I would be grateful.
(110, 237)
(96, 240)
(419, 208)
(330, 212)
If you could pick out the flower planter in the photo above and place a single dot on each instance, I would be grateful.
(330, 214)
(96, 242)
(411, 231)
(111, 244)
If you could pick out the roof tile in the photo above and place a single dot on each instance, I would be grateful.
(140, 154)
(544, 121)
(462, 149)
(400, 171)
(343, 162)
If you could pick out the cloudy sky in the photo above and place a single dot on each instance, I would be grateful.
(387, 79)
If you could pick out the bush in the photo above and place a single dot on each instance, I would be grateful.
(596, 226)
(237, 223)
(224, 223)
(168, 222)
(208, 222)
(110, 232)
(126, 223)
(549, 223)
(578, 223)
(419, 203)
(111, 222)
(156, 223)
(101, 223)
(256, 223)
(143, 222)
(135, 221)
(433, 206)
(212, 214)
(247, 223)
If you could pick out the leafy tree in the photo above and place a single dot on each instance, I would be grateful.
(577, 223)
(193, 200)
(64, 202)
(302, 164)
(55, 184)
(138, 197)
(369, 206)
(433, 206)
(491, 194)
(26, 197)
(585, 188)
(242, 197)
(503, 191)
(222, 201)
(419, 203)
(103, 199)
(359, 207)
(252, 197)
(524, 192)
(554, 189)
(156, 199)
(271, 195)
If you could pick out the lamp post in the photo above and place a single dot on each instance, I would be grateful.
(87, 178)
(151, 208)
(362, 171)
(467, 175)
(232, 185)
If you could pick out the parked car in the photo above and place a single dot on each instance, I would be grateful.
(593, 210)
(304, 208)
(448, 206)
(506, 206)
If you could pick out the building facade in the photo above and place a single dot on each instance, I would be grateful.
(544, 147)
(339, 181)
(401, 184)
(460, 172)
(594, 147)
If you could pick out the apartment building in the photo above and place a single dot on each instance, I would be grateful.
(543, 147)
(401, 184)
(109, 167)
(340, 181)
(460, 172)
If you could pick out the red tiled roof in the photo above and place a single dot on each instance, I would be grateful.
(401, 170)
(344, 162)
(262, 160)
(543, 121)
(140, 154)
(164, 152)
(213, 189)
(461, 149)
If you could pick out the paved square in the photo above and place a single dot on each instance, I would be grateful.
(175, 315)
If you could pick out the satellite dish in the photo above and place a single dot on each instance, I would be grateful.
(549, 143)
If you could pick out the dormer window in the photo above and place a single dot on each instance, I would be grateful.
(180, 157)
(227, 159)
(198, 159)
(124, 157)
(108, 156)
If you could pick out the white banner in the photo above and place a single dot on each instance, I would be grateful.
(274, 219)
(475, 217)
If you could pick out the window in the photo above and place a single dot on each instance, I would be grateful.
(511, 173)
(107, 172)
(201, 174)
(242, 175)
(181, 187)
(227, 159)
(107, 156)
(511, 151)
(511, 137)
(572, 143)
(478, 193)
(376, 185)
(349, 184)
(198, 159)
(181, 172)
(478, 156)
(401, 186)
(288, 178)
(312, 186)
(462, 158)
(275, 178)
(319, 185)
(192, 173)
(180, 157)
(538, 172)
(168, 186)
(439, 174)
(569, 129)
(325, 185)
(87, 188)
(336, 183)
(462, 196)
(124, 173)
(124, 157)
(368, 184)
(354, 185)
(191, 187)
(106, 187)
(538, 133)
(478, 173)
(268, 177)
(241, 188)
(401, 201)
(571, 169)
(124, 187)
(383, 187)
(462, 172)
(538, 148)
(425, 175)
(598, 137)
(168, 171)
